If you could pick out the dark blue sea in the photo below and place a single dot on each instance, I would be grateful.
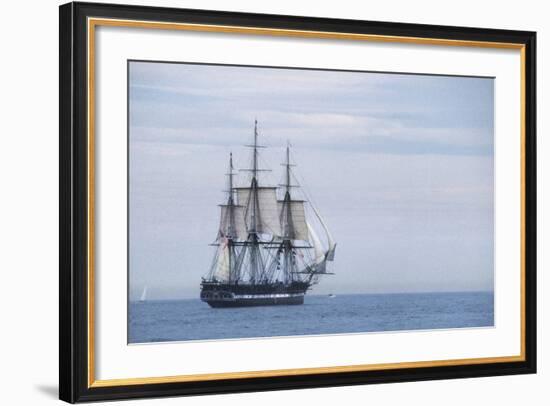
(179, 320)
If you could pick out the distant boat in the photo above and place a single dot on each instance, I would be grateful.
(143, 297)
(331, 295)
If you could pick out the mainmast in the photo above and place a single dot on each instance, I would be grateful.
(255, 163)
(230, 200)
(287, 248)
(253, 236)
(286, 219)
(231, 228)
(254, 182)
(230, 190)
(256, 265)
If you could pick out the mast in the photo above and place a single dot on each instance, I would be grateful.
(288, 229)
(254, 183)
(288, 167)
(253, 241)
(223, 267)
(231, 208)
(230, 191)
(253, 237)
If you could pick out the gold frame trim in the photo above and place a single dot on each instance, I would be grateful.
(94, 22)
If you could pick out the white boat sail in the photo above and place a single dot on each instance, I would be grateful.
(268, 251)
(143, 296)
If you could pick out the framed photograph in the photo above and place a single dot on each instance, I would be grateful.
(257, 202)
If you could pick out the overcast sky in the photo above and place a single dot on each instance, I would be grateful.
(400, 166)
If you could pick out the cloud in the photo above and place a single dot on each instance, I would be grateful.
(401, 166)
(391, 113)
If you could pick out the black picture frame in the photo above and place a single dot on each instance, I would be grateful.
(73, 197)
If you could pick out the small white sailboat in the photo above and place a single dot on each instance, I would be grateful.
(143, 297)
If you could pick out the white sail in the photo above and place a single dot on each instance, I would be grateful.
(239, 231)
(331, 244)
(267, 213)
(298, 216)
(318, 249)
(223, 263)
(143, 295)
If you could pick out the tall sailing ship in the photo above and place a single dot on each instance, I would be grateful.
(267, 249)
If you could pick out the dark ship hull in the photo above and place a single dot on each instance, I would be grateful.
(218, 294)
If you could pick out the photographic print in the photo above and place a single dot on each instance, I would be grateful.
(275, 202)
(262, 188)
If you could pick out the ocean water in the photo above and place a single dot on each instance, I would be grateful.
(180, 320)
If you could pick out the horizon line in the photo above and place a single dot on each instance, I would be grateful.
(343, 294)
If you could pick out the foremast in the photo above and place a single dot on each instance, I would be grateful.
(224, 266)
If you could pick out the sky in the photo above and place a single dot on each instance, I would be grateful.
(400, 166)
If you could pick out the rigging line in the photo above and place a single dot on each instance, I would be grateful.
(270, 255)
(265, 164)
(239, 263)
(308, 196)
(261, 264)
(300, 180)
(268, 262)
(213, 266)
